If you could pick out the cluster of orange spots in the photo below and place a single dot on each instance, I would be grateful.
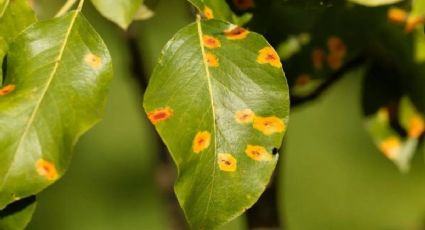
(93, 61)
(269, 125)
(7, 89)
(401, 16)
(46, 169)
(226, 162)
(258, 153)
(211, 59)
(201, 141)
(236, 33)
(211, 42)
(303, 80)
(318, 57)
(337, 52)
(245, 116)
(160, 114)
(244, 4)
(390, 147)
(416, 126)
(268, 55)
(208, 13)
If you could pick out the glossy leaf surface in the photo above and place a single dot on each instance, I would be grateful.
(58, 74)
(219, 100)
(120, 12)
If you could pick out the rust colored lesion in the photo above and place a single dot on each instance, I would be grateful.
(258, 153)
(201, 141)
(46, 169)
(161, 114)
(208, 13)
(211, 42)
(93, 61)
(236, 33)
(269, 125)
(244, 4)
(245, 116)
(211, 59)
(7, 89)
(268, 55)
(227, 162)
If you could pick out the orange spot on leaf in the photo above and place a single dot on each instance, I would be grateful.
(390, 147)
(236, 33)
(211, 42)
(46, 169)
(416, 126)
(208, 13)
(211, 59)
(303, 80)
(160, 114)
(7, 89)
(268, 55)
(397, 15)
(227, 162)
(269, 125)
(93, 61)
(334, 61)
(244, 4)
(245, 116)
(258, 153)
(337, 47)
(201, 141)
(318, 57)
(413, 22)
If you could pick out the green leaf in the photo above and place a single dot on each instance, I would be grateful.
(211, 111)
(57, 79)
(375, 2)
(15, 16)
(120, 12)
(218, 9)
(17, 215)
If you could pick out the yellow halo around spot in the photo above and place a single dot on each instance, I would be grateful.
(160, 114)
(269, 125)
(93, 61)
(236, 33)
(211, 42)
(201, 141)
(211, 60)
(390, 147)
(268, 55)
(46, 169)
(245, 116)
(258, 153)
(208, 13)
(416, 126)
(227, 162)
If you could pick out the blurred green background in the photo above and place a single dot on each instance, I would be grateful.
(331, 174)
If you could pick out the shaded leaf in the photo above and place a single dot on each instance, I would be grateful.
(15, 16)
(17, 215)
(121, 12)
(220, 102)
(55, 89)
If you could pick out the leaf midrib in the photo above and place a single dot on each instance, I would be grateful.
(46, 88)
(210, 90)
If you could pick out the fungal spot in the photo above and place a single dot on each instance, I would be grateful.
(416, 126)
(227, 162)
(244, 4)
(318, 57)
(268, 55)
(211, 42)
(160, 114)
(245, 116)
(413, 21)
(258, 153)
(269, 125)
(201, 141)
(397, 15)
(93, 61)
(303, 79)
(208, 13)
(7, 89)
(334, 61)
(390, 147)
(236, 33)
(46, 169)
(337, 47)
(211, 59)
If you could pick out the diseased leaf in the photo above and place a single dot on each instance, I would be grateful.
(375, 2)
(15, 16)
(58, 73)
(219, 99)
(218, 9)
(121, 12)
(17, 215)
